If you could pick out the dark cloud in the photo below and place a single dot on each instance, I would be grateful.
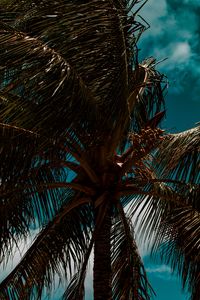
(175, 34)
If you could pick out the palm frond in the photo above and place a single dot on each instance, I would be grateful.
(101, 47)
(76, 289)
(18, 213)
(37, 182)
(178, 156)
(31, 188)
(129, 277)
(151, 204)
(39, 89)
(149, 107)
(167, 219)
(59, 248)
(181, 234)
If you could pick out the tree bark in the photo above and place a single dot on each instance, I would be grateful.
(102, 261)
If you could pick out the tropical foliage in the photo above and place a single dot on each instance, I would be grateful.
(82, 154)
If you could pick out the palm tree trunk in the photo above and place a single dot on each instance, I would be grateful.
(102, 261)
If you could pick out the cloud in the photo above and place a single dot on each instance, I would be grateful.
(182, 52)
(159, 269)
(168, 29)
(175, 35)
(163, 272)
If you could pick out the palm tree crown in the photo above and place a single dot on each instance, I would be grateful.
(82, 154)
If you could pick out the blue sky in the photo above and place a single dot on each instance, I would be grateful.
(174, 34)
(165, 284)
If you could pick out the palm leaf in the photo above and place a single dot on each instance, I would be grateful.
(75, 289)
(150, 99)
(178, 156)
(181, 231)
(101, 46)
(39, 90)
(150, 200)
(31, 185)
(59, 248)
(129, 277)
(37, 183)
(168, 220)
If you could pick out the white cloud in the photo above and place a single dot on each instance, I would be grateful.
(169, 34)
(181, 52)
(174, 34)
(159, 269)
(163, 272)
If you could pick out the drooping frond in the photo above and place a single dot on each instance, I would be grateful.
(168, 220)
(157, 175)
(31, 183)
(76, 288)
(181, 234)
(59, 248)
(178, 156)
(129, 278)
(151, 199)
(98, 39)
(39, 90)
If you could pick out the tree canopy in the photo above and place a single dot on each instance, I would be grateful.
(82, 153)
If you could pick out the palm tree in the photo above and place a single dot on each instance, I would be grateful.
(82, 154)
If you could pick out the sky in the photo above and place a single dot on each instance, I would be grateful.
(174, 34)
